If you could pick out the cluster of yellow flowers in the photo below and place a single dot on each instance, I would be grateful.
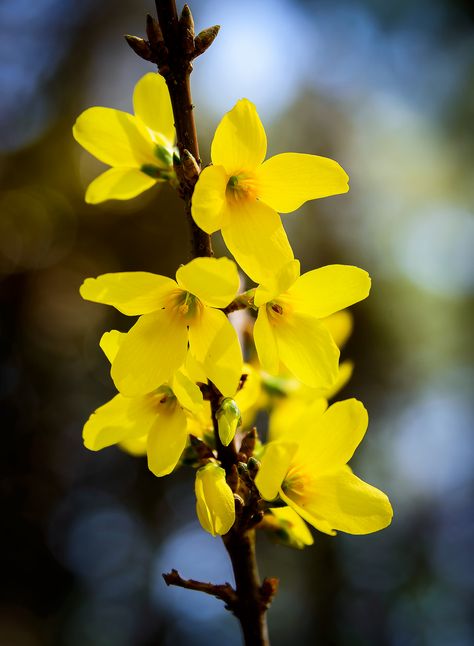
(183, 339)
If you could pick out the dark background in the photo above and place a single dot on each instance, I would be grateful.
(387, 89)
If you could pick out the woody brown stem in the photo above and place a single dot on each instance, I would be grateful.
(175, 64)
(172, 46)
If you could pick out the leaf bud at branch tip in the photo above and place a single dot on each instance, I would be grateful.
(186, 26)
(153, 31)
(204, 39)
(140, 47)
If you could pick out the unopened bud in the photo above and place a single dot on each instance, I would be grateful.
(153, 31)
(164, 155)
(186, 25)
(140, 47)
(190, 166)
(228, 418)
(253, 466)
(205, 39)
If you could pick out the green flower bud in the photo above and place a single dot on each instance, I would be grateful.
(228, 419)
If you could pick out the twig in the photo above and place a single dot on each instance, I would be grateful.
(225, 592)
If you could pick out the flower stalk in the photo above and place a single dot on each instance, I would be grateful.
(172, 46)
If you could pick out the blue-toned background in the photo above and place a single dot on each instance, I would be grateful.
(387, 89)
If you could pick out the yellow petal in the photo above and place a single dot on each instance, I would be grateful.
(298, 534)
(289, 180)
(194, 369)
(326, 290)
(288, 415)
(310, 517)
(307, 350)
(152, 104)
(214, 343)
(188, 394)
(115, 137)
(118, 419)
(118, 184)
(265, 342)
(215, 505)
(110, 343)
(280, 282)
(166, 440)
(209, 198)
(346, 369)
(255, 236)
(152, 351)
(328, 442)
(345, 503)
(131, 292)
(135, 446)
(240, 142)
(274, 467)
(340, 326)
(248, 396)
(214, 281)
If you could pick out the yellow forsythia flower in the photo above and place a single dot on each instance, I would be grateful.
(241, 193)
(156, 422)
(138, 147)
(173, 315)
(215, 505)
(308, 470)
(289, 329)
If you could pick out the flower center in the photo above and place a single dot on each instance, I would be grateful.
(297, 483)
(241, 187)
(187, 305)
(163, 399)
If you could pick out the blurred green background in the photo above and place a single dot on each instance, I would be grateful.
(387, 89)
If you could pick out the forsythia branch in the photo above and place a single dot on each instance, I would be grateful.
(225, 592)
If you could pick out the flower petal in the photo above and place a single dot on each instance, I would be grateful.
(152, 351)
(297, 531)
(209, 198)
(326, 290)
(118, 419)
(254, 234)
(214, 343)
(131, 292)
(115, 137)
(340, 326)
(307, 350)
(110, 343)
(344, 502)
(240, 142)
(187, 393)
(289, 413)
(152, 104)
(215, 505)
(329, 441)
(274, 467)
(166, 440)
(118, 184)
(215, 281)
(265, 343)
(281, 281)
(289, 180)
(135, 446)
